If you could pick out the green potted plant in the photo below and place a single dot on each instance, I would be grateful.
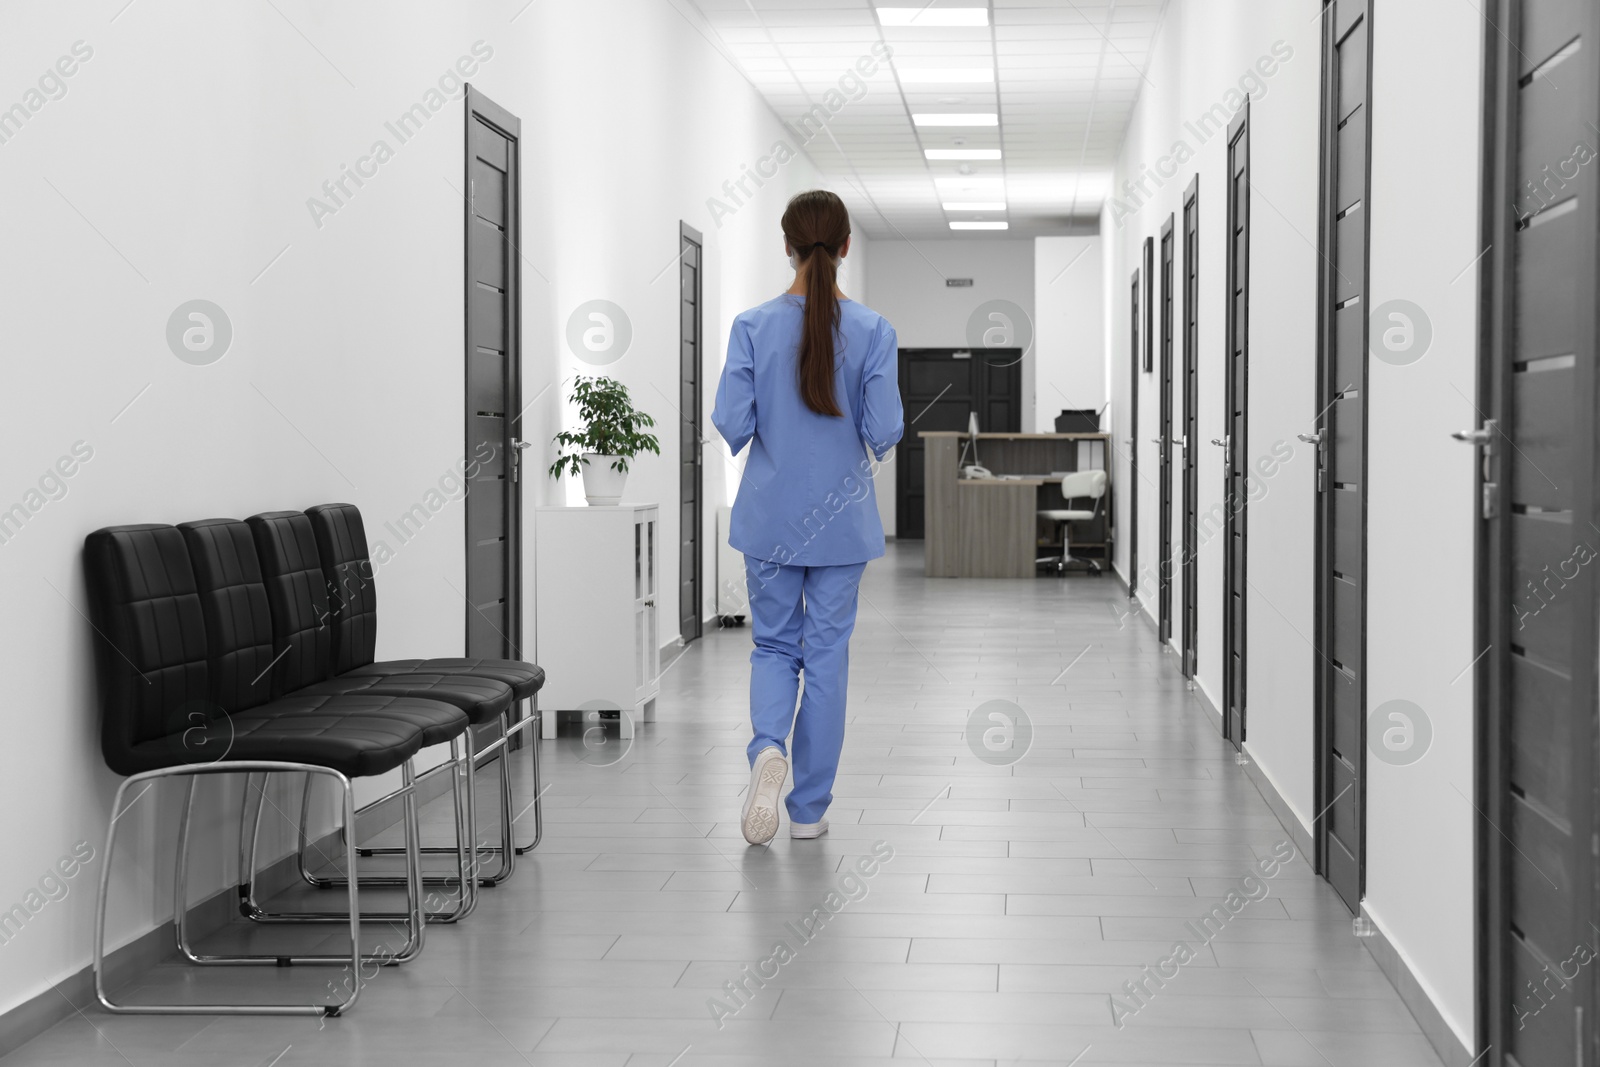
(610, 435)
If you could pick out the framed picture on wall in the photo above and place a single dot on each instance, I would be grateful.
(1147, 330)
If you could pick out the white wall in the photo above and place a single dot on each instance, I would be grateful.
(1421, 511)
(907, 282)
(1427, 63)
(1200, 58)
(907, 279)
(1069, 325)
(178, 165)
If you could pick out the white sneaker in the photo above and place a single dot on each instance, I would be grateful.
(760, 819)
(805, 831)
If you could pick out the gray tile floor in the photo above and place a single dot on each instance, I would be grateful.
(1020, 898)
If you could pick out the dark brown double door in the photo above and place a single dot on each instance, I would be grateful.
(939, 389)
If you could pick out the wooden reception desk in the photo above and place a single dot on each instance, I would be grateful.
(989, 527)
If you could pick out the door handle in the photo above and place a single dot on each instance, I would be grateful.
(1220, 442)
(1483, 436)
(1322, 471)
(1155, 440)
(517, 447)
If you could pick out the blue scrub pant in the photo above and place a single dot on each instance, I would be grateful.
(802, 618)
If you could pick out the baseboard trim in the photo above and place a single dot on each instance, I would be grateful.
(1298, 833)
(123, 965)
(1141, 609)
(1416, 998)
(1210, 709)
(1389, 959)
(67, 997)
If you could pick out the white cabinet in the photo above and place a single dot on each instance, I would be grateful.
(596, 571)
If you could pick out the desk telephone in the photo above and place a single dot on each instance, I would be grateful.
(973, 470)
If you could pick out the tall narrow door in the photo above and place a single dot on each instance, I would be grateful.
(1135, 337)
(1191, 424)
(1340, 440)
(1164, 442)
(1540, 532)
(495, 434)
(690, 473)
(1236, 416)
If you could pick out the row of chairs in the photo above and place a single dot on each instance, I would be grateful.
(248, 647)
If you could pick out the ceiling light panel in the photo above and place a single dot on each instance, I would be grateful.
(1046, 66)
(946, 118)
(946, 75)
(928, 15)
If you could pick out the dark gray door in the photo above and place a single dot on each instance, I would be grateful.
(1540, 531)
(1237, 395)
(494, 428)
(939, 389)
(1135, 337)
(1164, 442)
(1340, 440)
(690, 473)
(1191, 423)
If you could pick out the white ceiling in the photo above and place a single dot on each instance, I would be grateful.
(1067, 74)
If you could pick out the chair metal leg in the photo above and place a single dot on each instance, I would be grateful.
(502, 746)
(418, 919)
(382, 957)
(466, 816)
(180, 902)
(250, 805)
(531, 725)
(508, 846)
(508, 849)
(466, 900)
(507, 840)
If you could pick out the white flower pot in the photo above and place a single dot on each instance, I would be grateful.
(602, 486)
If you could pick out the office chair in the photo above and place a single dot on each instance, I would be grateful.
(1075, 486)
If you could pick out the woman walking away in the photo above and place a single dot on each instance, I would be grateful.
(811, 385)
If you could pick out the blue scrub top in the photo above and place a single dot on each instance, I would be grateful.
(807, 495)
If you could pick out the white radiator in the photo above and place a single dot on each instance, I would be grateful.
(733, 601)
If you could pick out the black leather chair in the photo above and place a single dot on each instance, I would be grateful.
(270, 645)
(164, 678)
(341, 544)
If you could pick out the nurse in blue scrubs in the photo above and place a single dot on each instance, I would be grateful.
(811, 386)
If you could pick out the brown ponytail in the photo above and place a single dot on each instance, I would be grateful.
(816, 221)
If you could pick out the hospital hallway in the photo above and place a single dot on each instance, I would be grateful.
(441, 439)
(1031, 878)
